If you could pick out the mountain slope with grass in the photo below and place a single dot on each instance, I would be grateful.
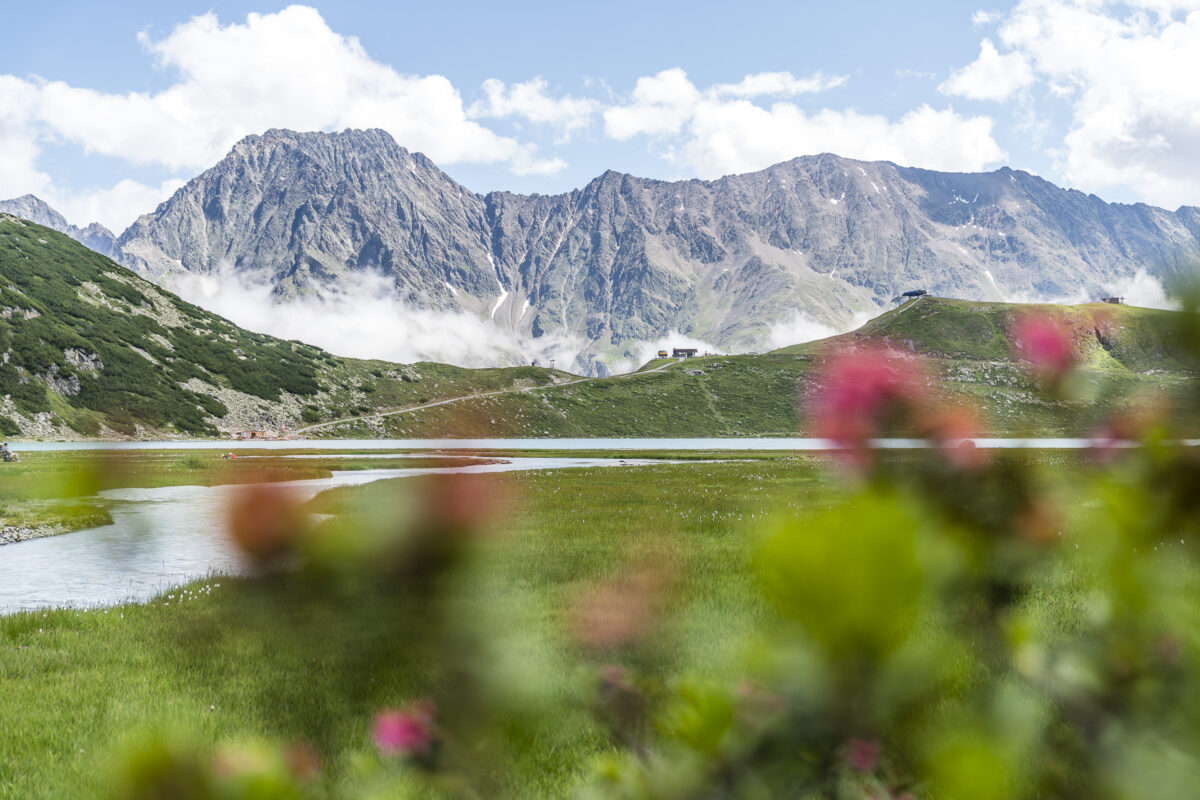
(1125, 354)
(87, 348)
(1105, 337)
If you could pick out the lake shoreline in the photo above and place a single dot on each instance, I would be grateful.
(595, 444)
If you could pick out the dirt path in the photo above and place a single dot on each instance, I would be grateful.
(410, 409)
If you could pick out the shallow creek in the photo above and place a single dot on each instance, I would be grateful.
(162, 538)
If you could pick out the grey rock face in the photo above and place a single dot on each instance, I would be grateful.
(311, 210)
(95, 236)
(625, 259)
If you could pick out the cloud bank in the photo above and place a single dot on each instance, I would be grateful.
(364, 319)
(283, 70)
(1124, 72)
(720, 130)
(290, 69)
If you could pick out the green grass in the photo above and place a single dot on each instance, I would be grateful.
(76, 684)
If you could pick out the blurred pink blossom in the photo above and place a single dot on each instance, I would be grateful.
(862, 755)
(406, 732)
(862, 390)
(1045, 343)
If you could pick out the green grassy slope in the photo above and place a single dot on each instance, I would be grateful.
(88, 348)
(1107, 336)
(1125, 353)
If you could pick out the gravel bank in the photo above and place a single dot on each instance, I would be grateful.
(21, 533)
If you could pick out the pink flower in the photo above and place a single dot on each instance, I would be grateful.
(861, 391)
(862, 755)
(406, 732)
(1046, 344)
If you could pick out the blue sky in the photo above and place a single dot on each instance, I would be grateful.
(104, 110)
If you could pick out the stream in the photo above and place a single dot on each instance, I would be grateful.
(166, 537)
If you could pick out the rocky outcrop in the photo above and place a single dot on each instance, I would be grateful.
(312, 210)
(626, 258)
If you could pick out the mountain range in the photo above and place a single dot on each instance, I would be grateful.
(738, 263)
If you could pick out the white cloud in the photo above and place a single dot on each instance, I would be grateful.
(719, 131)
(525, 161)
(803, 328)
(644, 351)
(1142, 289)
(286, 69)
(661, 104)
(20, 147)
(982, 18)
(1139, 289)
(114, 207)
(799, 329)
(18, 143)
(1126, 72)
(781, 84)
(741, 136)
(992, 76)
(363, 319)
(924, 75)
(530, 102)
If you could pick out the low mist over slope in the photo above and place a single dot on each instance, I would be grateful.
(338, 222)
(1125, 354)
(88, 348)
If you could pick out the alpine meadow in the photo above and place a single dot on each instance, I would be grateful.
(625, 401)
